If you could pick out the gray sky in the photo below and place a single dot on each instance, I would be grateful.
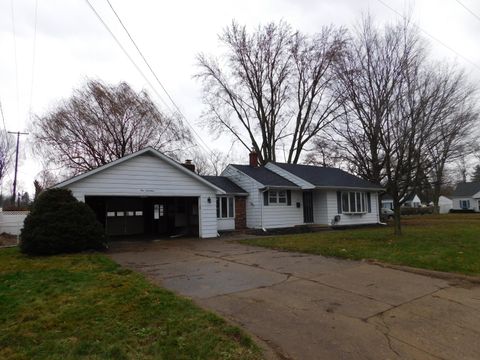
(72, 45)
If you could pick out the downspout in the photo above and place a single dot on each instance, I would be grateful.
(261, 213)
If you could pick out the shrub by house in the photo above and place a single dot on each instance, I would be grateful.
(59, 223)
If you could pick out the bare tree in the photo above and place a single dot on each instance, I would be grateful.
(455, 114)
(385, 93)
(274, 87)
(212, 163)
(101, 123)
(7, 150)
(325, 152)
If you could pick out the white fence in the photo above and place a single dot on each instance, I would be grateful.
(11, 222)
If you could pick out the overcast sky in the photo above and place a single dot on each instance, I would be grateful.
(72, 45)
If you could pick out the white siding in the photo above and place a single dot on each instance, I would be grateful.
(473, 203)
(143, 175)
(368, 218)
(289, 176)
(226, 224)
(279, 216)
(254, 200)
(148, 175)
(207, 213)
(12, 222)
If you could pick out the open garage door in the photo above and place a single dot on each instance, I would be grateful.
(155, 216)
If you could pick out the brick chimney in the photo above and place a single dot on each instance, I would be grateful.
(253, 158)
(189, 165)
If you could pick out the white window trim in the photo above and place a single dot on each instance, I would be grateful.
(219, 198)
(365, 202)
(277, 197)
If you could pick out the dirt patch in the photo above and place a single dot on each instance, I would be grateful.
(8, 239)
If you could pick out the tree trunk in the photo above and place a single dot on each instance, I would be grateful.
(436, 197)
(397, 219)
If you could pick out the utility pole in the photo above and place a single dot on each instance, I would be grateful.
(14, 193)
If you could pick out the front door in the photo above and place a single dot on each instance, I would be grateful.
(308, 207)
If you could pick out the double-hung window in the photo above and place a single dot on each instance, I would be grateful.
(277, 197)
(354, 202)
(225, 207)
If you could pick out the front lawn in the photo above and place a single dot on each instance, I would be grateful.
(438, 242)
(86, 306)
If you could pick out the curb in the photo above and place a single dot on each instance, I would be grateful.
(430, 273)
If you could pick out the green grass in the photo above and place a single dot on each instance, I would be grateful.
(86, 306)
(442, 242)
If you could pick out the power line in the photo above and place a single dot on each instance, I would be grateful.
(469, 10)
(155, 75)
(126, 53)
(432, 36)
(3, 117)
(14, 32)
(34, 54)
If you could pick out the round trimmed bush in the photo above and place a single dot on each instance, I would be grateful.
(59, 223)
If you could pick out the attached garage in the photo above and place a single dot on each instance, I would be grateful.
(149, 193)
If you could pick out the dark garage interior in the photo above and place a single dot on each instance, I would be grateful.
(150, 216)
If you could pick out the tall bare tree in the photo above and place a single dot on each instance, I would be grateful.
(274, 87)
(455, 114)
(101, 123)
(385, 94)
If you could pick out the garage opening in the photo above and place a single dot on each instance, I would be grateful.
(155, 216)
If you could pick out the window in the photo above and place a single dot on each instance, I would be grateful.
(225, 207)
(354, 202)
(277, 197)
(465, 204)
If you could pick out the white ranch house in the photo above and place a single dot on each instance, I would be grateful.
(149, 193)
(467, 196)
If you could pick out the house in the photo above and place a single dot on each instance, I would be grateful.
(149, 193)
(412, 200)
(467, 196)
(445, 204)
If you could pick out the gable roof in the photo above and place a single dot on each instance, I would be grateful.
(327, 177)
(411, 197)
(146, 150)
(467, 189)
(264, 176)
(226, 185)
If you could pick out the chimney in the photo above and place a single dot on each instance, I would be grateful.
(189, 165)
(253, 158)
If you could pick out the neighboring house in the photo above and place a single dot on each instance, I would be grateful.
(412, 200)
(445, 204)
(467, 196)
(387, 201)
(148, 193)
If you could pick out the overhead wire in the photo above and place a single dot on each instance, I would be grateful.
(204, 145)
(126, 53)
(155, 75)
(34, 51)
(469, 10)
(14, 32)
(432, 36)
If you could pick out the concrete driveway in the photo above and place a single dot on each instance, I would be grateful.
(313, 307)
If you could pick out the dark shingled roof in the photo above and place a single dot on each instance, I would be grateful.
(327, 177)
(264, 176)
(225, 184)
(467, 189)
